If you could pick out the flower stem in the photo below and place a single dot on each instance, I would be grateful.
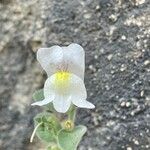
(72, 114)
(34, 131)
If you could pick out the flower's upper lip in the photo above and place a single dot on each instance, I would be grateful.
(62, 67)
(62, 58)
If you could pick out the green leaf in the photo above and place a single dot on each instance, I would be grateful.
(38, 95)
(69, 140)
(49, 128)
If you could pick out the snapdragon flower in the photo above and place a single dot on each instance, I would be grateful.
(65, 83)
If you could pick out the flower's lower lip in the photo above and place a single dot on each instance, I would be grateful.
(62, 89)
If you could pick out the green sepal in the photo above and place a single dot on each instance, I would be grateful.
(39, 96)
(49, 128)
(69, 140)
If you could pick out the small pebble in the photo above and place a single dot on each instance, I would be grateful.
(132, 113)
(107, 87)
(129, 148)
(91, 67)
(139, 2)
(87, 16)
(142, 93)
(96, 57)
(109, 57)
(112, 71)
(128, 104)
(122, 104)
(146, 62)
(136, 142)
(113, 17)
(97, 7)
(147, 98)
(123, 68)
(123, 37)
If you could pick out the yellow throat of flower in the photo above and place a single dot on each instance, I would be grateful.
(62, 80)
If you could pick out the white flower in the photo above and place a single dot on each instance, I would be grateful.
(65, 70)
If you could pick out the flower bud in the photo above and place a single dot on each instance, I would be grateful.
(68, 125)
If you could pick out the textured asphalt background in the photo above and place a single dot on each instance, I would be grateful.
(116, 38)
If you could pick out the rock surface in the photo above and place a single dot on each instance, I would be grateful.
(115, 35)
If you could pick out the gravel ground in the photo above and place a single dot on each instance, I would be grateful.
(115, 35)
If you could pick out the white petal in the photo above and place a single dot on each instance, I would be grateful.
(43, 102)
(75, 57)
(78, 93)
(61, 103)
(50, 58)
(49, 90)
(49, 93)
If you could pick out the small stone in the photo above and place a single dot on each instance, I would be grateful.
(17, 9)
(124, 117)
(123, 68)
(146, 62)
(147, 98)
(87, 16)
(118, 54)
(96, 56)
(112, 71)
(132, 113)
(136, 142)
(107, 87)
(123, 104)
(108, 138)
(97, 7)
(95, 121)
(139, 2)
(102, 50)
(128, 104)
(110, 123)
(109, 57)
(138, 44)
(142, 93)
(91, 67)
(113, 17)
(129, 148)
(123, 37)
